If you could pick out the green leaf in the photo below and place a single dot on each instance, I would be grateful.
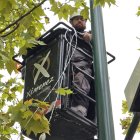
(13, 2)
(41, 103)
(28, 102)
(41, 43)
(4, 95)
(27, 114)
(124, 107)
(39, 12)
(36, 42)
(25, 21)
(63, 91)
(3, 4)
(77, 3)
(47, 20)
(4, 56)
(23, 1)
(23, 50)
(52, 2)
(54, 8)
(10, 66)
(125, 124)
(103, 2)
(138, 13)
(37, 116)
(85, 13)
(60, 15)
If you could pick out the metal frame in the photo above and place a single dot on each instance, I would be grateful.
(67, 111)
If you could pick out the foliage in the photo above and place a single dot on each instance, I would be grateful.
(126, 121)
(138, 12)
(21, 23)
(63, 91)
(128, 116)
(31, 116)
(103, 2)
(6, 126)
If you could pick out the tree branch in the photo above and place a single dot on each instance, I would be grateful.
(8, 33)
(20, 18)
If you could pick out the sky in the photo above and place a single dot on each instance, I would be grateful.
(121, 27)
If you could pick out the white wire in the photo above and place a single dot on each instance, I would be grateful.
(70, 43)
(53, 108)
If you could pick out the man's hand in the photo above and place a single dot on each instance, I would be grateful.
(87, 36)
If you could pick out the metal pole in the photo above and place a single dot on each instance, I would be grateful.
(102, 91)
(133, 126)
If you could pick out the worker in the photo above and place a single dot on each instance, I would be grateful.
(79, 103)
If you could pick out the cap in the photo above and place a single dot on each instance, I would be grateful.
(75, 14)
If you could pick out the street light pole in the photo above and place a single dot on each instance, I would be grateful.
(102, 91)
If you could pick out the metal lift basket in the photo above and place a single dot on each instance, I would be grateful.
(48, 67)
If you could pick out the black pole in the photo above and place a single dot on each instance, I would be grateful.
(133, 127)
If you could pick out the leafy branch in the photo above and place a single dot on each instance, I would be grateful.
(23, 16)
(128, 116)
(8, 33)
(23, 112)
(31, 113)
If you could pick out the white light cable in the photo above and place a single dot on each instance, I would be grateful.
(66, 64)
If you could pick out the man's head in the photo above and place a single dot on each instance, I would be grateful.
(78, 22)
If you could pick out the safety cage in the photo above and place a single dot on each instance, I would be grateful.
(48, 67)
